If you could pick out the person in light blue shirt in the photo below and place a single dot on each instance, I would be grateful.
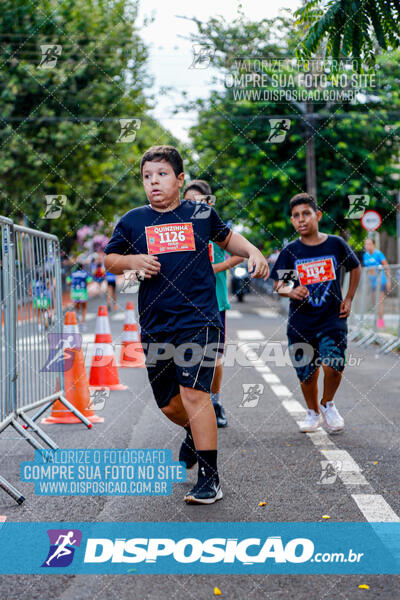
(374, 258)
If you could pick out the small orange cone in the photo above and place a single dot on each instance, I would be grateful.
(104, 372)
(76, 385)
(131, 351)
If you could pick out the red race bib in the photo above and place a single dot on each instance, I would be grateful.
(316, 271)
(171, 237)
(211, 251)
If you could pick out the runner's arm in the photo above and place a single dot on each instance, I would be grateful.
(286, 291)
(236, 244)
(229, 263)
(345, 305)
(118, 264)
(355, 275)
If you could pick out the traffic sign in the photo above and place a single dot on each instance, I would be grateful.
(371, 220)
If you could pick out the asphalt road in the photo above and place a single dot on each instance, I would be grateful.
(262, 457)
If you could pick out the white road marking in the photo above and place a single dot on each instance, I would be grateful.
(281, 390)
(375, 508)
(250, 334)
(119, 316)
(262, 369)
(271, 378)
(266, 313)
(349, 471)
(293, 407)
(233, 314)
(342, 456)
(321, 438)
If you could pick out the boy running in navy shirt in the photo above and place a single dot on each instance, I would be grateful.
(317, 322)
(168, 240)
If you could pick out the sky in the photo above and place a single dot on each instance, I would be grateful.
(171, 55)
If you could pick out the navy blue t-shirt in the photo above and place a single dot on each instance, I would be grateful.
(182, 295)
(320, 310)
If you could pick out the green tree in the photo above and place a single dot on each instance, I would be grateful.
(59, 125)
(254, 179)
(345, 27)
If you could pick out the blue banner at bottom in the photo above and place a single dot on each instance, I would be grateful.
(194, 548)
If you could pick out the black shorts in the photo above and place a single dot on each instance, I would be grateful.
(186, 357)
(112, 283)
(309, 352)
(221, 348)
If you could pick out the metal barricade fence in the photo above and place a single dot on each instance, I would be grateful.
(6, 403)
(375, 314)
(31, 308)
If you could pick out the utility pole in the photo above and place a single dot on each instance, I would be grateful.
(310, 152)
(398, 226)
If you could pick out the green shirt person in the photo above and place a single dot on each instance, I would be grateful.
(199, 190)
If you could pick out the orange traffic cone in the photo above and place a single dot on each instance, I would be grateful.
(131, 351)
(104, 372)
(76, 384)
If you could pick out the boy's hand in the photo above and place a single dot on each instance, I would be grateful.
(257, 265)
(345, 308)
(146, 263)
(299, 293)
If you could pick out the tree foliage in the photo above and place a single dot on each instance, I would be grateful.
(59, 126)
(355, 141)
(346, 28)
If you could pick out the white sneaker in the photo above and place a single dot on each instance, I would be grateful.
(334, 422)
(312, 422)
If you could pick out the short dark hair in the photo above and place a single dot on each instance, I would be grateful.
(303, 198)
(198, 184)
(167, 153)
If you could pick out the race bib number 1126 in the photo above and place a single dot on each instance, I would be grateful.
(171, 237)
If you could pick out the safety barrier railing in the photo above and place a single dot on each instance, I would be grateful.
(31, 309)
(375, 315)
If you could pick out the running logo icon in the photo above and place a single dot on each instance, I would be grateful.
(60, 356)
(201, 210)
(132, 281)
(279, 129)
(329, 471)
(54, 206)
(98, 398)
(129, 127)
(286, 277)
(50, 54)
(357, 206)
(251, 394)
(63, 543)
(202, 55)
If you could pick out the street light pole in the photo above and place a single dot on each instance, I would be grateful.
(398, 226)
(310, 152)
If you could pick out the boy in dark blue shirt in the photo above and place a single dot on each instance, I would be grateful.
(317, 323)
(178, 310)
